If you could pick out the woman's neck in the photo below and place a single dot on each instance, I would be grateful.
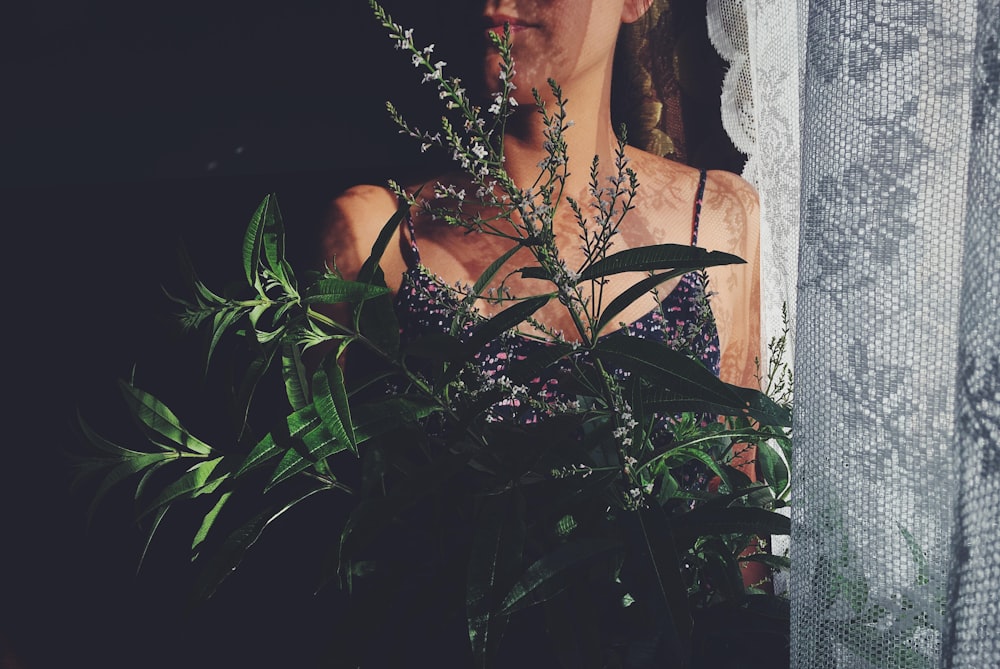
(590, 134)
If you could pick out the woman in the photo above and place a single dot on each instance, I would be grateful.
(573, 42)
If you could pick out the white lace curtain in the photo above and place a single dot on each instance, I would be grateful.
(873, 133)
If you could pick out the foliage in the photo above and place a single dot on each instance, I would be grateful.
(903, 628)
(564, 514)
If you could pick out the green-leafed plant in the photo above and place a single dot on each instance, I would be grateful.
(579, 514)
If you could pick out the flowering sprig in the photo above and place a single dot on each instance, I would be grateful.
(524, 216)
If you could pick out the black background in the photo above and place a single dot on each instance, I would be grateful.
(126, 127)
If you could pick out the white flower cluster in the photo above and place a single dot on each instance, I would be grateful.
(623, 433)
(474, 149)
(581, 470)
(611, 203)
(635, 498)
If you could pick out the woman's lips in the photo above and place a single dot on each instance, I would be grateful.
(495, 23)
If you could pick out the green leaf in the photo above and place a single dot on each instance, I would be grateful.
(316, 444)
(505, 320)
(762, 408)
(157, 519)
(271, 445)
(256, 369)
(124, 469)
(375, 318)
(494, 267)
(683, 454)
(273, 240)
(553, 564)
(670, 371)
(147, 475)
(773, 467)
(209, 520)
(765, 410)
(492, 328)
(221, 322)
(334, 290)
(188, 485)
(660, 365)
(371, 420)
(643, 421)
(918, 555)
(369, 270)
(497, 546)
(252, 243)
(206, 296)
(294, 374)
(725, 501)
(374, 418)
(225, 561)
(103, 444)
(631, 294)
(264, 249)
(155, 415)
(330, 400)
(657, 257)
(723, 571)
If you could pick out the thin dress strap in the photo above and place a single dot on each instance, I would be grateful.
(410, 244)
(699, 196)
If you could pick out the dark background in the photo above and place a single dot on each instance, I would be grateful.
(126, 127)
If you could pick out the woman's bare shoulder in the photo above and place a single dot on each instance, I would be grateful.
(731, 213)
(354, 220)
(730, 207)
(724, 185)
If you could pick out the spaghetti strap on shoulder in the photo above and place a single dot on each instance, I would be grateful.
(408, 242)
(699, 196)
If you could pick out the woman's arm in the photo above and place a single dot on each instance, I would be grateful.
(731, 223)
(352, 225)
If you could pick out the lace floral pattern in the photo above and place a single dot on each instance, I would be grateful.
(760, 112)
(885, 154)
(972, 638)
